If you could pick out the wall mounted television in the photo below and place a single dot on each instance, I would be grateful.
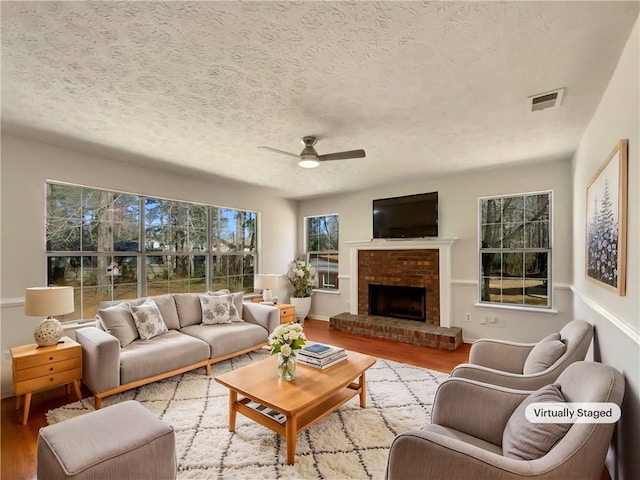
(410, 216)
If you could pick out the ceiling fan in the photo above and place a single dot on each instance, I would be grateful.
(309, 158)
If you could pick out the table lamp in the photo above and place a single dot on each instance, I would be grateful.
(48, 301)
(266, 282)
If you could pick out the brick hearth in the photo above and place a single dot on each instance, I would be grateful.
(407, 331)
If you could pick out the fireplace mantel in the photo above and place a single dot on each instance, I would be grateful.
(443, 245)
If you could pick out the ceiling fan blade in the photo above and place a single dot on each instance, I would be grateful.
(295, 155)
(342, 155)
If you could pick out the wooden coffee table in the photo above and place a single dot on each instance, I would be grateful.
(311, 396)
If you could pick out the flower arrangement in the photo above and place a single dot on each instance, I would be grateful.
(300, 276)
(287, 338)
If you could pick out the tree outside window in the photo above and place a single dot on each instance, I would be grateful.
(515, 250)
(321, 235)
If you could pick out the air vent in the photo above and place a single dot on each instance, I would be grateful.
(547, 100)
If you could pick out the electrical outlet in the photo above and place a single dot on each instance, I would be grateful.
(6, 355)
(348, 304)
(467, 317)
(492, 319)
(483, 320)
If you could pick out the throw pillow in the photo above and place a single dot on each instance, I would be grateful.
(524, 440)
(544, 354)
(216, 308)
(238, 298)
(118, 321)
(148, 319)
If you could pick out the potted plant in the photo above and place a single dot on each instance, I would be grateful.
(301, 278)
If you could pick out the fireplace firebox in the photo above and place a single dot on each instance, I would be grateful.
(398, 301)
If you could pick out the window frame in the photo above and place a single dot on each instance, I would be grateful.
(143, 253)
(326, 287)
(549, 307)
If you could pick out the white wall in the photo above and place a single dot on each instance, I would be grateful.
(458, 217)
(616, 318)
(27, 165)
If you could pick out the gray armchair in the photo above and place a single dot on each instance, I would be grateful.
(526, 366)
(477, 430)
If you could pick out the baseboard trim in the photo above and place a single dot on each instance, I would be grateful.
(623, 327)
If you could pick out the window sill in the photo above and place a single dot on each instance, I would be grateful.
(549, 311)
(327, 292)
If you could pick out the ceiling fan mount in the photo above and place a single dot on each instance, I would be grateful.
(309, 158)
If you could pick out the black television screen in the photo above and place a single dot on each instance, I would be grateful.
(411, 216)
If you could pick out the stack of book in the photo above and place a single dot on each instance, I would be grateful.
(321, 356)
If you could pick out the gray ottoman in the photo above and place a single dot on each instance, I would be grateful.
(124, 441)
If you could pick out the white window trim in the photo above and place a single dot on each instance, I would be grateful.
(550, 308)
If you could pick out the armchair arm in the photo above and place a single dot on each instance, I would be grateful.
(428, 455)
(100, 359)
(505, 379)
(500, 355)
(266, 316)
(474, 408)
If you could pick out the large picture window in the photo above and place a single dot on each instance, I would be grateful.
(321, 237)
(112, 246)
(515, 250)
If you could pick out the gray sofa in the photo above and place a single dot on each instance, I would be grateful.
(115, 358)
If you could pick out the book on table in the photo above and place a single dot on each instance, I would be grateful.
(322, 361)
(315, 363)
(319, 350)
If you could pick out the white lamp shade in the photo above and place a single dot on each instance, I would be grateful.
(266, 281)
(48, 301)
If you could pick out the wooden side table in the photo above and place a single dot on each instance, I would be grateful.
(36, 368)
(287, 312)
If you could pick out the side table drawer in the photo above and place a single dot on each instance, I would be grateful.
(48, 369)
(36, 360)
(50, 380)
(287, 312)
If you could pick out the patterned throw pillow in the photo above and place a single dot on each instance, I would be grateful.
(218, 309)
(236, 303)
(148, 319)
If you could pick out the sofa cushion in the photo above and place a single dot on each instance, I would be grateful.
(544, 354)
(189, 309)
(228, 338)
(117, 320)
(525, 440)
(167, 306)
(148, 319)
(216, 308)
(160, 354)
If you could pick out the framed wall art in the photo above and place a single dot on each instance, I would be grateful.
(606, 247)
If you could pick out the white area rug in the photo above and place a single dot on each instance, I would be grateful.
(351, 443)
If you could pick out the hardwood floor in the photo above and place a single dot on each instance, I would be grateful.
(19, 442)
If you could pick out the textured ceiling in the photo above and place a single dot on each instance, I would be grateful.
(425, 88)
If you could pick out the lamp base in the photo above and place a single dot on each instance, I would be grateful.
(267, 295)
(48, 332)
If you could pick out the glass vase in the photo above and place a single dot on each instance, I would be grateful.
(287, 366)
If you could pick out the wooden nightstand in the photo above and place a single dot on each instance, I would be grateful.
(287, 312)
(36, 368)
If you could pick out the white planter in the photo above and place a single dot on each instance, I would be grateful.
(303, 305)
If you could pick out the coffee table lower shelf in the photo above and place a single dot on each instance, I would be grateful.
(304, 419)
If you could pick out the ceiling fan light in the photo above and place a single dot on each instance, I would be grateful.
(308, 163)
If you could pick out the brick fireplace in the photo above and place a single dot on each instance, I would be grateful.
(401, 270)
(418, 270)
(419, 262)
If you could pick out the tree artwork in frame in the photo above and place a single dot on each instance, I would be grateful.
(606, 248)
